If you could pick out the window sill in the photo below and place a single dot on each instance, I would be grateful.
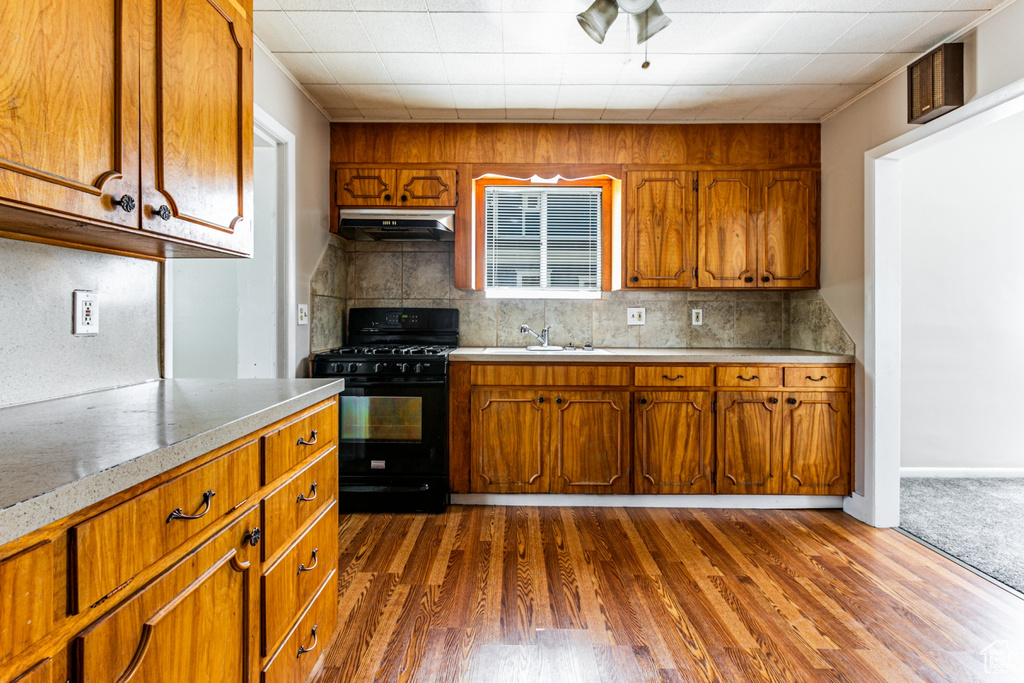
(539, 294)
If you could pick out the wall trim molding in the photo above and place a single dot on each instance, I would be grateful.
(651, 501)
(961, 472)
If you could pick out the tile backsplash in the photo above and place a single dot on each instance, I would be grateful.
(358, 274)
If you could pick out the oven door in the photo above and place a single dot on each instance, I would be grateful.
(390, 429)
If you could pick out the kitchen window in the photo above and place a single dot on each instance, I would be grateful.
(544, 239)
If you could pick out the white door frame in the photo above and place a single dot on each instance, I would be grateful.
(880, 503)
(273, 132)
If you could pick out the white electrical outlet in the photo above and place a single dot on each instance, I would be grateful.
(86, 318)
(636, 316)
(303, 314)
(696, 316)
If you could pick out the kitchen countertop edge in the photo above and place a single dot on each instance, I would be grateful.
(640, 355)
(37, 511)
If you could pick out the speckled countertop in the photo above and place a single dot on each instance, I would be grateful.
(60, 456)
(630, 355)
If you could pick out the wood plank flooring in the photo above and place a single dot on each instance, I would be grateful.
(503, 594)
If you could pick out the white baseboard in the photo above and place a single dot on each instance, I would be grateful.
(664, 501)
(961, 472)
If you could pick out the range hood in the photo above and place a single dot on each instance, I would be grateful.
(396, 225)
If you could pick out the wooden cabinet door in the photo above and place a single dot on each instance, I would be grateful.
(674, 437)
(421, 188)
(747, 442)
(365, 187)
(660, 230)
(727, 229)
(69, 125)
(788, 242)
(509, 437)
(816, 448)
(590, 442)
(197, 127)
(197, 622)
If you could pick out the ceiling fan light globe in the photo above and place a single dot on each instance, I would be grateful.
(598, 18)
(650, 22)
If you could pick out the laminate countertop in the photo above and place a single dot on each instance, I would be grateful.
(629, 355)
(60, 456)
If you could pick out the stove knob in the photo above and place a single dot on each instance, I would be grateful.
(352, 367)
(418, 368)
(403, 367)
(378, 367)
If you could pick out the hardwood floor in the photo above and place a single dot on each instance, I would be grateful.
(500, 594)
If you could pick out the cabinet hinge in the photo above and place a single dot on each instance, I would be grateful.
(714, 406)
(694, 184)
(694, 273)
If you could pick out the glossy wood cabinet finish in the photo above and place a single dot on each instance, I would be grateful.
(817, 377)
(110, 549)
(118, 109)
(660, 230)
(674, 442)
(195, 623)
(510, 433)
(396, 187)
(749, 457)
(287, 446)
(748, 376)
(364, 187)
(40, 673)
(26, 594)
(302, 497)
(547, 375)
(816, 443)
(308, 640)
(788, 255)
(727, 230)
(590, 442)
(673, 375)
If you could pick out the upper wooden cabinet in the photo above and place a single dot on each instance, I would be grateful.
(115, 109)
(727, 229)
(396, 187)
(660, 235)
(788, 238)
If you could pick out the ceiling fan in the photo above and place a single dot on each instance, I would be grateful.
(597, 19)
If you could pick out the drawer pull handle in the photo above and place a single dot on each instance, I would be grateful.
(178, 514)
(747, 379)
(673, 379)
(303, 499)
(303, 442)
(304, 650)
(304, 568)
(820, 379)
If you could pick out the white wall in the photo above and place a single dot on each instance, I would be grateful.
(279, 97)
(962, 301)
(994, 57)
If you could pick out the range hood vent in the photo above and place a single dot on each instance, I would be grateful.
(391, 225)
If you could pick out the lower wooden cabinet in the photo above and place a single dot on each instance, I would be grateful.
(589, 448)
(749, 458)
(816, 443)
(510, 441)
(674, 442)
(39, 673)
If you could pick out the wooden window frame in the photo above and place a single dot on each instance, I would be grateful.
(605, 182)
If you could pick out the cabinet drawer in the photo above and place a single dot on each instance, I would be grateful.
(299, 500)
(306, 642)
(748, 376)
(111, 548)
(673, 376)
(550, 375)
(293, 579)
(292, 443)
(39, 673)
(819, 376)
(26, 594)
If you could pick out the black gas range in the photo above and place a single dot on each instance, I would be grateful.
(393, 414)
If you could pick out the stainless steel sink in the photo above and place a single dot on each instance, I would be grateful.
(551, 350)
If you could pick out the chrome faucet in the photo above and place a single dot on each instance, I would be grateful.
(542, 337)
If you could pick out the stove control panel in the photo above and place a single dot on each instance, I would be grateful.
(330, 368)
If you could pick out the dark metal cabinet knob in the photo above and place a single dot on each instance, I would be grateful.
(773, 400)
(540, 399)
(766, 279)
(643, 401)
(164, 212)
(387, 198)
(748, 278)
(126, 203)
(405, 198)
(253, 537)
(636, 279)
(791, 401)
(558, 400)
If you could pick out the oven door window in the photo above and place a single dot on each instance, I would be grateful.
(382, 418)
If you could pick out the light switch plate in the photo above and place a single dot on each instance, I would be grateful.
(303, 314)
(85, 320)
(636, 316)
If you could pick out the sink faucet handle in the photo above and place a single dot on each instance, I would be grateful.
(524, 328)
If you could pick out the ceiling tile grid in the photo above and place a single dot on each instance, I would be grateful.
(528, 60)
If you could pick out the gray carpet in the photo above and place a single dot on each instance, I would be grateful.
(978, 521)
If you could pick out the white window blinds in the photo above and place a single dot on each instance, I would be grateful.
(543, 238)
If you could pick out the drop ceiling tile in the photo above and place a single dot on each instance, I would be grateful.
(834, 68)
(486, 113)
(936, 31)
(974, 4)
(432, 114)
(399, 31)
(838, 5)
(276, 32)
(663, 70)
(355, 67)
(690, 96)
(883, 66)
(420, 68)
(529, 114)
(797, 96)
(811, 32)
(730, 5)
(682, 114)
(540, 33)
(531, 96)
(330, 96)
(332, 31)
(374, 96)
(306, 67)
(570, 7)
(769, 113)
(583, 96)
(265, 5)
(838, 96)
(389, 5)
(591, 69)
(386, 113)
(426, 96)
(322, 5)
(636, 97)
(737, 95)
(343, 113)
(524, 69)
(464, 5)
(911, 5)
(465, 68)
(578, 114)
(478, 97)
(626, 114)
(772, 68)
(742, 33)
(711, 69)
(726, 112)
(687, 33)
(879, 32)
(467, 31)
